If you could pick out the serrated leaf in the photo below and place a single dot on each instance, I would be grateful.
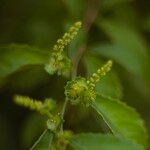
(109, 85)
(13, 57)
(91, 141)
(123, 120)
(44, 141)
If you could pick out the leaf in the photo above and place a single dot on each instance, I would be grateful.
(128, 48)
(91, 141)
(76, 7)
(27, 77)
(44, 141)
(146, 24)
(107, 4)
(109, 85)
(13, 57)
(123, 120)
(30, 131)
(76, 44)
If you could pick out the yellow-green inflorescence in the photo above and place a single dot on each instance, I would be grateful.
(59, 62)
(77, 91)
(61, 140)
(100, 73)
(81, 90)
(46, 108)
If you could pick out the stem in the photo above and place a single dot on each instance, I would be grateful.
(90, 16)
(64, 108)
(63, 113)
(77, 60)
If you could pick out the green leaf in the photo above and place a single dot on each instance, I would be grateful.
(107, 4)
(27, 77)
(146, 24)
(76, 7)
(76, 44)
(91, 141)
(44, 141)
(128, 48)
(13, 57)
(123, 120)
(29, 131)
(109, 85)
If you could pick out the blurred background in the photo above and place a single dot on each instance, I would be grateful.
(116, 29)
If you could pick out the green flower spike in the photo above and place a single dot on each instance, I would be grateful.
(82, 91)
(100, 73)
(59, 62)
(45, 108)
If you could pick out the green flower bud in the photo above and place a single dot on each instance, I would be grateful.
(77, 91)
(81, 90)
(54, 123)
(59, 62)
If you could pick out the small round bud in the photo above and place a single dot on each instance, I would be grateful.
(78, 24)
(54, 123)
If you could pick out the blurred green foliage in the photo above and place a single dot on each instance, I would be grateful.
(116, 29)
(104, 142)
